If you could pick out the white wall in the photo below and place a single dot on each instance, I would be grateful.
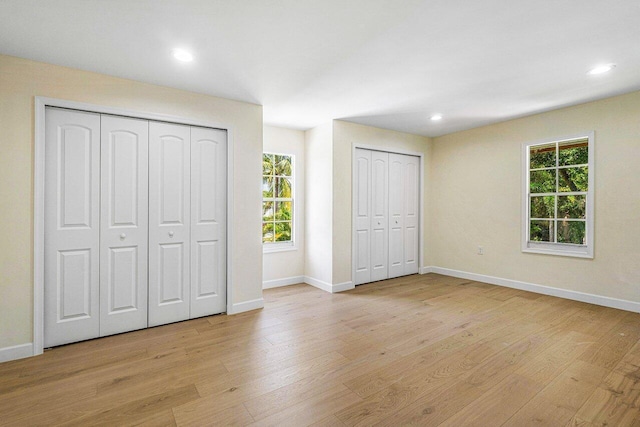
(477, 189)
(319, 204)
(345, 135)
(22, 80)
(287, 267)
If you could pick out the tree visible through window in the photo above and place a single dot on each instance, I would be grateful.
(559, 194)
(277, 198)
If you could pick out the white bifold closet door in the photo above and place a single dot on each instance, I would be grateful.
(72, 226)
(386, 204)
(187, 217)
(404, 214)
(123, 224)
(208, 221)
(372, 207)
(135, 224)
(169, 217)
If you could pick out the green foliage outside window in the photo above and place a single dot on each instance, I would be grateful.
(558, 185)
(277, 198)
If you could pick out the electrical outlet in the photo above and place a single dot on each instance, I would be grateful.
(480, 250)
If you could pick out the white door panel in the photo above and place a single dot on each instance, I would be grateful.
(396, 215)
(208, 221)
(123, 224)
(72, 191)
(379, 215)
(411, 214)
(362, 205)
(169, 216)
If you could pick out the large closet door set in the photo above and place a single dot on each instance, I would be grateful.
(135, 224)
(387, 215)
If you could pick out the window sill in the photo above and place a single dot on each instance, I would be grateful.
(574, 251)
(274, 248)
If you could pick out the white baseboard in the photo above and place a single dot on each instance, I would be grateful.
(276, 283)
(328, 287)
(341, 287)
(241, 307)
(16, 352)
(425, 270)
(541, 289)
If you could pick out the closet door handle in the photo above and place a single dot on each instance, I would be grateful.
(171, 234)
(123, 236)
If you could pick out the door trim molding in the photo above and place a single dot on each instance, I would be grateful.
(355, 146)
(39, 179)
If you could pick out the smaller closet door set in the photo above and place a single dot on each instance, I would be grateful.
(387, 212)
(134, 224)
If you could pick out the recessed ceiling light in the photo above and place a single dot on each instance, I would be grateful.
(600, 69)
(182, 55)
(436, 117)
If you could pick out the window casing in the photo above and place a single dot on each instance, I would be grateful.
(277, 200)
(558, 196)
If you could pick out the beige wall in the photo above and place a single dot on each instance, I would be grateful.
(477, 189)
(345, 135)
(318, 202)
(283, 265)
(20, 81)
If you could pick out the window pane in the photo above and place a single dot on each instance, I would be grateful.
(282, 165)
(267, 186)
(572, 206)
(283, 187)
(573, 152)
(267, 164)
(283, 211)
(541, 231)
(571, 232)
(267, 232)
(267, 211)
(283, 231)
(542, 181)
(543, 207)
(573, 179)
(542, 156)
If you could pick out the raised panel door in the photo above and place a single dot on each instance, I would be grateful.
(362, 207)
(396, 215)
(72, 190)
(379, 215)
(411, 214)
(169, 219)
(208, 221)
(123, 224)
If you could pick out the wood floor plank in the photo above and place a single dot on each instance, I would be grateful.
(559, 401)
(311, 410)
(421, 349)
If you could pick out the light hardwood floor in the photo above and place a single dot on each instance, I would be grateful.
(419, 350)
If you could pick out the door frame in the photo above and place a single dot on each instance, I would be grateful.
(421, 269)
(39, 192)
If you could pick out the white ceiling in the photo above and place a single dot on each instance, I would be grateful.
(386, 63)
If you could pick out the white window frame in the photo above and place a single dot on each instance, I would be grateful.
(551, 248)
(288, 245)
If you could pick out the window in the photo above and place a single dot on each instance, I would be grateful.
(277, 199)
(558, 197)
